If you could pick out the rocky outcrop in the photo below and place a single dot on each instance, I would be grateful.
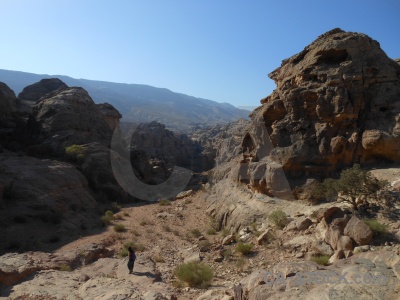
(39, 89)
(336, 103)
(66, 118)
(166, 147)
(110, 114)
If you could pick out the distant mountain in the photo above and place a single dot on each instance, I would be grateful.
(248, 108)
(141, 103)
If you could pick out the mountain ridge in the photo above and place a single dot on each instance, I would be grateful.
(140, 102)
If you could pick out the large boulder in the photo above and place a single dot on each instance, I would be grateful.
(358, 231)
(110, 114)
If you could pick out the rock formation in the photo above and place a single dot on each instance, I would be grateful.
(8, 106)
(68, 117)
(110, 114)
(337, 103)
(39, 89)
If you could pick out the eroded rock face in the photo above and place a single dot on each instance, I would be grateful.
(68, 117)
(336, 103)
(110, 114)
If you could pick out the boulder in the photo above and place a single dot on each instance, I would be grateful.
(110, 114)
(262, 237)
(303, 223)
(344, 243)
(358, 231)
(322, 248)
(339, 254)
(228, 239)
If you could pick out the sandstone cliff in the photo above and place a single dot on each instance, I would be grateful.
(337, 102)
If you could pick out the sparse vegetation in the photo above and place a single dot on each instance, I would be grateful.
(164, 202)
(108, 217)
(206, 244)
(76, 153)
(65, 268)
(321, 259)
(143, 223)
(225, 232)
(195, 274)
(135, 246)
(278, 218)
(195, 232)
(377, 228)
(244, 249)
(211, 231)
(353, 183)
(119, 228)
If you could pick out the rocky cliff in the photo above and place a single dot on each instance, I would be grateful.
(337, 102)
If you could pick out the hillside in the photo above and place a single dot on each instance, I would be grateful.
(141, 103)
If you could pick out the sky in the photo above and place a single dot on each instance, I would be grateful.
(213, 49)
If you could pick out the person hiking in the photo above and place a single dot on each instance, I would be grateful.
(131, 259)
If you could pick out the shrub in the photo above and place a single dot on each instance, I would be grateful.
(195, 274)
(76, 152)
(195, 232)
(119, 228)
(377, 228)
(206, 244)
(321, 259)
(65, 268)
(353, 183)
(164, 202)
(278, 218)
(225, 232)
(244, 249)
(135, 246)
(211, 231)
(143, 223)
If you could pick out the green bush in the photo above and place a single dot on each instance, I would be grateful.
(353, 183)
(65, 268)
(211, 231)
(119, 227)
(377, 228)
(321, 259)
(278, 218)
(206, 244)
(195, 274)
(196, 233)
(164, 202)
(76, 152)
(244, 249)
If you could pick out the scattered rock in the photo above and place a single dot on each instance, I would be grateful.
(184, 194)
(262, 237)
(228, 239)
(303, 223)
(358, 231)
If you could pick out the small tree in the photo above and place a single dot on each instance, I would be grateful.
(353, 183)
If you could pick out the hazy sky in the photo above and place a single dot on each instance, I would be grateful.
(214, 49)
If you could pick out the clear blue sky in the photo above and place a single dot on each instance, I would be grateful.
(214, 49)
